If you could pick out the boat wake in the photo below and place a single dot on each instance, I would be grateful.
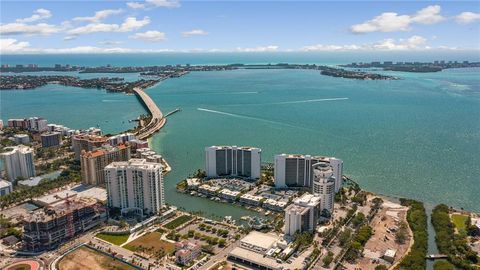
(288, 102)
(246, 117)
(110, 100)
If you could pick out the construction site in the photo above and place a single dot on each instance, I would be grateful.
(62, 219)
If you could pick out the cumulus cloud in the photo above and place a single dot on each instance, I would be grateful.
(195, 32)
(129, 24)
(135, 5)
(11, 45)
(39, 14)
(391, 21)
(389, 44)
(270, 48)
(99, 15)
(153, 36)
(164, 3)
(29, 29)
(467, 17)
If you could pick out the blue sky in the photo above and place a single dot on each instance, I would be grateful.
(169, 25)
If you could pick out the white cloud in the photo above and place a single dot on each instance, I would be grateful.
(270, 48)
(39, 14)
(93, 28)
(29, 29)
(390, 44)
(467, 17)
(428, 15)
(153, 36)
(110, 42)
(99, 15)
(130, 24)
(135, 5)
(67, 38)
(11, 45)
(164, 3)
(195, 32)
(391, 21)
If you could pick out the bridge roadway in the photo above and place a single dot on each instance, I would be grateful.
(158, 120)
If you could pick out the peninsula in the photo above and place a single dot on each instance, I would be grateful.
(414, 66)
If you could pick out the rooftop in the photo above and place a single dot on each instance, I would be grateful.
(258, 239)
(220, 147)
(5, 183)
(308, 199)
(135, 162)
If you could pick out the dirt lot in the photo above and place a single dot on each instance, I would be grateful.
(389, 216)
(150, 243)
(86, 259)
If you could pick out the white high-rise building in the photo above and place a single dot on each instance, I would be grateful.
(233, 161)
(297, 171)
(324, 185)
(18, 162)
(135, 185)
(303, 214)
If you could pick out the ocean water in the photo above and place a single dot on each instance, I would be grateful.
(417, 137)
(73, 107)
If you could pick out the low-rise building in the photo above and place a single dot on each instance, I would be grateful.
(186, 252)
(209, 190)
(5, 187)
(193, 183)
(389, 255)
(251, 199)
(229, 195)
(255, 251)
(274, 205)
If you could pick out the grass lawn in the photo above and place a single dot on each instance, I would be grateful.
(150, 243)
(87, 259)
(177, 222)
(20, 267)
(114, 239)
(459, 221)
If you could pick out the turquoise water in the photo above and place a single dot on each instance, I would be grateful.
(73, 107)
(417, 137)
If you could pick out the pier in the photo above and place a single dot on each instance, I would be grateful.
(436, 256)
(172, 112)
(158, 120)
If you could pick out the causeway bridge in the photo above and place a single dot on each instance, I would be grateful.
(158, 119)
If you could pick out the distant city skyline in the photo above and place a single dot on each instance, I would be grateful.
(234, 26)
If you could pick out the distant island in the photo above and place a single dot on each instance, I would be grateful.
(414, 66)
(163, 72)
